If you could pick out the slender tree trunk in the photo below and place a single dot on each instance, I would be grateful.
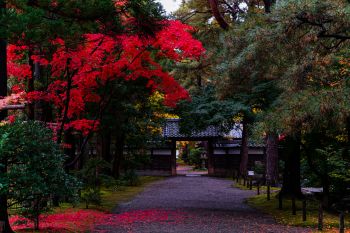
(347, 148)
(106, 146)
(37, 214)
(325, 193)
(199, 81)
(118, 156)
(60, 134)
(348, 129)
(5, 226)
(66, 104)
(4, 219)
(272, 158)
(321, 171)
(70, 148)
(268, 4)
(47, 112)
(243, 167)
(214, 5)
(30, 86)
(291, 177)
(3, 65)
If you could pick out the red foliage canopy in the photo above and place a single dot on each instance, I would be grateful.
(77, 74)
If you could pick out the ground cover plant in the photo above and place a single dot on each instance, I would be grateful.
(67, 218)
(285, 216)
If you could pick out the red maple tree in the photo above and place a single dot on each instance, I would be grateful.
(77, 74)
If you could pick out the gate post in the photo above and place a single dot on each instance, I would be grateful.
(173, 157)
(211, 170)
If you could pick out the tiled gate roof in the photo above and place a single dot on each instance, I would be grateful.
(171, 130)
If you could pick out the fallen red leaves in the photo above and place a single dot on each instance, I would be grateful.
(69, 221)
(83, 220)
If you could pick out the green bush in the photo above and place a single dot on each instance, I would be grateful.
(93, 177)
(31, 168)
(131, 178)
(91, 196)
(194, 157)
(259, 168)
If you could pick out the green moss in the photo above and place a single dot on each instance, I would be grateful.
(113, 196)
(262, 188)
(285, 216)
(181, 162)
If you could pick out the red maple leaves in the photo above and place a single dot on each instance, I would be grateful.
(77, 75)
(91, 220)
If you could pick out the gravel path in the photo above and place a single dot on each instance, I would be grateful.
(191, 205)
(188, 170)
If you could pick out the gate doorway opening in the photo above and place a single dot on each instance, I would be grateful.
(222, 154)
(191, 158)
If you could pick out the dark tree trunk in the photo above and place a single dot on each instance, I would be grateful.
(47, 112)
(199, 81)
(37, 214)
(325, 193)
(3, 66)
(268, 4)
(30, 87)
(348, 132)
(243, 167)
(347, 147)
(272, 158)
(70, 148)
(66, 104)
(118, 156)
(291, 177)
(320, 170)
(214, 5)
(5, 226)
(4, 219)
(106, 146)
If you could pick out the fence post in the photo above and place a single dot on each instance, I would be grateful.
(341, 222)
(268, 191)
(304, 209)
(294, 211)
(258, 188)
(280, 200)
(320, 217)
(251, 184)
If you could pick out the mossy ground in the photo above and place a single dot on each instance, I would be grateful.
(285, 216)
(67, 218)
(112, 196)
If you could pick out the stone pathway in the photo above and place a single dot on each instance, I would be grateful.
(191, 205)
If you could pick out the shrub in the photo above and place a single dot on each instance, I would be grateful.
(93, 177)
(194, 157)
(32, 169)
(131, 178)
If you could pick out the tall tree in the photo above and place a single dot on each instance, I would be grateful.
(299, 51)
(68, 34)
(4, 221)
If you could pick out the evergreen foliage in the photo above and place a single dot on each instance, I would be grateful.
(33, 168)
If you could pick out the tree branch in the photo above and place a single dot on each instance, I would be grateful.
(216, 13)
